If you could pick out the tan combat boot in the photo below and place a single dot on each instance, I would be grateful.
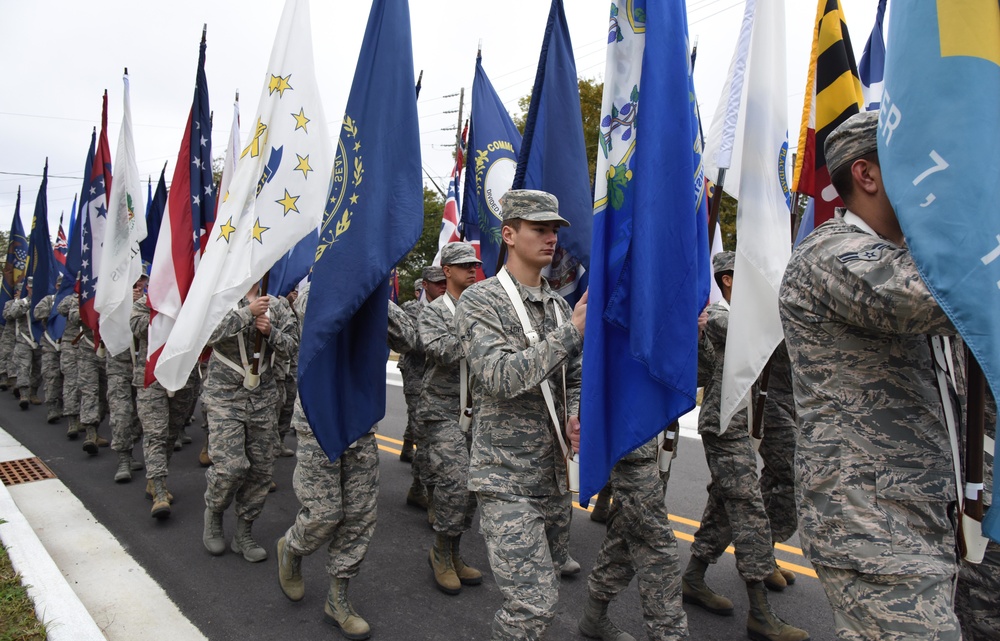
(341, 614)
(244, 543)
(161, 505)
(416, 496)
(213, 536)
(73, 430)
(595, 623)
(34, 398)
(406, 453)
(601, 506)
(467, 575)
(290, 572)
(763, 624)
(151, 492)
(776, 581)
(203, 459)
(697, 592)
(90, 442)
(788, 574)
(441, 563)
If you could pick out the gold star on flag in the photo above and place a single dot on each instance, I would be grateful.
(303, 166)
(279, 84)
(288, 202)
(258, 231)
(357, 146)
(301, 121)
(354, 199)
(227, 229)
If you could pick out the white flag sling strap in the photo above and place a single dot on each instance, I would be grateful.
(572, 464)
(464, 409)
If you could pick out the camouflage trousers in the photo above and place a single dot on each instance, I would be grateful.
(448, 456)
(70, 372)
(125, 427)
(287, 406)
(92, 380)
(977, 600)
(416, 432)
(640, 542)
(7, 350)
(735, 510)
(338, 502)
(887, 607)
(28, 366)
(52, 378)
(241, 446)
(162, 416)
(777, 478)
(521, 535)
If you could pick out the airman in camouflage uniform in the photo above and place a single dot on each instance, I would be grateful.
(51, 374)
(448, 441)
(413, 365)
(92, 380)
(517, 466)
(412, 308)
(68, 355)
(734, 513)
(241, 421)
(289, 383)
(161, 413)
(874, 470)
(639, 542)
(126, 430)
(338, 503)
(27, 356)
(777, 449)
(8, 375)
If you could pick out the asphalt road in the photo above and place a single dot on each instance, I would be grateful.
(228, 598)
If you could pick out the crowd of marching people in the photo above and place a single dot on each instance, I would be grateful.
(853, 439)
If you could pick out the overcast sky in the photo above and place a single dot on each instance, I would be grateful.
(61, 55)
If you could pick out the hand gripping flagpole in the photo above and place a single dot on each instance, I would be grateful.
(253, 376)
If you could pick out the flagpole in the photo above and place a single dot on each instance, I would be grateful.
(258, 341)
(972, 506)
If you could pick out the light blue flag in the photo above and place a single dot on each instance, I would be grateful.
(649, 276)
(553, 155)
(938, 131)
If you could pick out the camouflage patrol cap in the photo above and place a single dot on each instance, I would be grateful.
(28, 281)
(418, 285)
(459, 254)
(145, 269)
(433, 274)
(723, 262)
(531, 204)
(853, 138)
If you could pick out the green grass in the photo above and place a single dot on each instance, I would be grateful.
(17, 613)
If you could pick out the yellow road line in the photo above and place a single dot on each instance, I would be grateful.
(684, 536)
(388, 439)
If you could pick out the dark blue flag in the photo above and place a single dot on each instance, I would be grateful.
(649, 265)
(41, 261)
(553, 155)
(154, 217)
(871, 69)
(17, 258)
(57, 322)
(291, 268)
(494, 144)
(374, 217)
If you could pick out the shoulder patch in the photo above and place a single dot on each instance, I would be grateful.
(871, 254)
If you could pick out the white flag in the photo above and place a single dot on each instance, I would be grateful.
(121, 264)
(277, 195)
(724, 144)
(763, 227)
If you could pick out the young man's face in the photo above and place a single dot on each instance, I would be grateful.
(434, 290)
(534, 243)
(460, 276)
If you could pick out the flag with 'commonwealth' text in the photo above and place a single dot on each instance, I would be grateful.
(276, 197)
(938, 128)
(374, 216)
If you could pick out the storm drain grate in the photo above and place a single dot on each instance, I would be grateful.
(24, 470)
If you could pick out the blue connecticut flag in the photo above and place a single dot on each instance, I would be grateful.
(494, 144)
(41, 261)
(649, 263)
(374, 216)
(938, 130)
(553, 155)
(17, 258)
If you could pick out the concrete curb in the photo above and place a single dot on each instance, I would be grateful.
(56, 605)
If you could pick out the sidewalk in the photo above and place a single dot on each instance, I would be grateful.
(84, 584)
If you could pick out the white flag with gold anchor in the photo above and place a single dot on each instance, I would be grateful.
(277, 195)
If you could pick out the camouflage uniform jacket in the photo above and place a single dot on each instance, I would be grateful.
(223, 383)
(412, 364)
(17, 310)
(42, 312)
(874, 470)
(402, 333)
(283, 365)
(70, 308)
(439, 397)
(714, 342)
(514, 447)
(139, 322)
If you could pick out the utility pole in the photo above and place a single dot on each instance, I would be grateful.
(458, 126)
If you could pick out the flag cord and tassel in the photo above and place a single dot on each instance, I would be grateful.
(757, 422)
(253, 376)
(972, 541)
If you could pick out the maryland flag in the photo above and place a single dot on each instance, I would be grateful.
(833, 94)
